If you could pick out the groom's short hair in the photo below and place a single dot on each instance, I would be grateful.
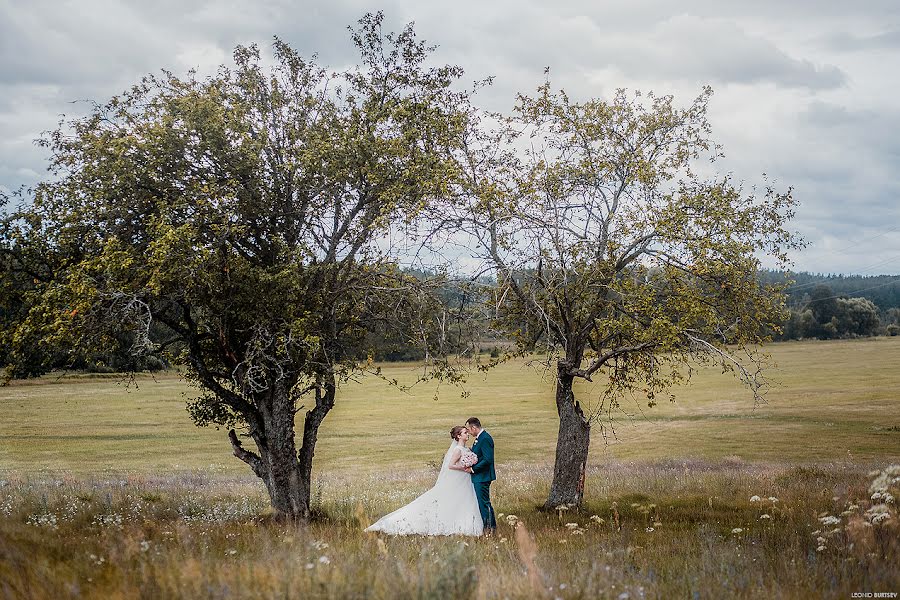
(473, 421)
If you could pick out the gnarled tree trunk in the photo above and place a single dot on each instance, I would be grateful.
(571, 445)
(286, 472)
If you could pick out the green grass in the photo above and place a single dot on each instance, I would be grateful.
(834, 400)
(111, 492)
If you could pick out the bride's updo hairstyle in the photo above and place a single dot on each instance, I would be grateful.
(454, 433)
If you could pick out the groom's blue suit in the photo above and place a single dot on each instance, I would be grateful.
(482, 476)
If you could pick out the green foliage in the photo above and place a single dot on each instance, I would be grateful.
(231, 224)
(828, 316)
(882, 290)
(238, 225)
(612, 250)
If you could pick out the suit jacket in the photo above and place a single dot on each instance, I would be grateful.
(483, 448)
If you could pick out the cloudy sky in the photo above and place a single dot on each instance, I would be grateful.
(805, 91)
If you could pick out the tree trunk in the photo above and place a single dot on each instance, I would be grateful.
(571, 446)
(286, 472)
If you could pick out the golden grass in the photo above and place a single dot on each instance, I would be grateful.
(649, 530)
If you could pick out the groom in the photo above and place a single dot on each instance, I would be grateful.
(483, 472)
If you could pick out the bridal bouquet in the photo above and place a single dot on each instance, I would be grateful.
(468, 458)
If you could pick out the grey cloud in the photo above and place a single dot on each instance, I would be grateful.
(845, 41)
(801, 92)
(699, 49)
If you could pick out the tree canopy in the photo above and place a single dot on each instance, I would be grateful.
(614, 251)
(239, 223)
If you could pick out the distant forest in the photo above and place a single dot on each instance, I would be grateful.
(838, 306)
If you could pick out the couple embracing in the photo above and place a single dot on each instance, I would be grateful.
(460, 501)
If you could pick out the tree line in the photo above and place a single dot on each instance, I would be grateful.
(837, 306)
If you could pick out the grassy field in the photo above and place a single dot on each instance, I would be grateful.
(111, 492)
(833, 400)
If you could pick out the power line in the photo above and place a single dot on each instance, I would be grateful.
(880, 285)
(863, 270)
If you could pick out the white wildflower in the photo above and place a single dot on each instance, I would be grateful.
(773, 499)
(650, 530)
(44, 520)
(755, 499)
(762, 517)
(878, 514)
(829, 520)
(572, 525)
(820, 549)
(737, 530)
(884, 479)
(324, 560)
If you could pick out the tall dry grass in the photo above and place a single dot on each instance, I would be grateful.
(674, 529)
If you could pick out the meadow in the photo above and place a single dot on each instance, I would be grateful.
(108, 491)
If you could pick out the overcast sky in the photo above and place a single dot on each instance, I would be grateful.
(805, 91)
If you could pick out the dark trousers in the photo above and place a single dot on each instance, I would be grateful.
(483, 493)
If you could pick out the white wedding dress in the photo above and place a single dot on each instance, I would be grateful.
(449, 508)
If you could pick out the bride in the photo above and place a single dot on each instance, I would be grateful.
(450, 507)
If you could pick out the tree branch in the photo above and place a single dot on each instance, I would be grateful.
(247, 456)
(600, 361)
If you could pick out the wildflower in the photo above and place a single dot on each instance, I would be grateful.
(755, 499)
(885, 479)
(598, 520)
(761, 517)
(878, 514)
(820, 549)
(737, 530)
(657, 524)
(571, 525)
(829, 520)
(145, 545)
(324, 560)
(310, 565)
(876, 497)
(578, 532)
(512, 519)
(650, 530)
(231, 552)
(773, 499)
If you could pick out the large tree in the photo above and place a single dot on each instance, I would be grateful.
(241, 222)
(617, 251)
